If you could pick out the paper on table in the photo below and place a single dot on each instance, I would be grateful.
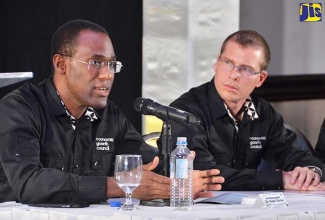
(226, 198)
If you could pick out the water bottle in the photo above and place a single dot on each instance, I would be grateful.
(181, 176)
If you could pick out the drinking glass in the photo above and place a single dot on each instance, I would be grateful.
(128, 173)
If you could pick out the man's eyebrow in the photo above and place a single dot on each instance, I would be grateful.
(97, 56)
(242, 65)
(247, 66)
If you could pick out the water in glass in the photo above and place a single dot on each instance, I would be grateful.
(128, 173)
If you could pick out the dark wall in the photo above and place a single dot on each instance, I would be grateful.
(27, 28)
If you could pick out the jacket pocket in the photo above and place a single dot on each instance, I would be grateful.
(53, 162)
(102, 161)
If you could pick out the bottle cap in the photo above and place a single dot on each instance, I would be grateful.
(115, 204)
(181, 140)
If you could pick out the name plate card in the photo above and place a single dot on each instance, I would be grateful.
(271, 200)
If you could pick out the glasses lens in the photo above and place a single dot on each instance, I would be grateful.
(227, 65)
(113, 66)
(94, 65)
(246, 71)
(93, 68)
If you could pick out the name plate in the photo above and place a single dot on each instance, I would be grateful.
(271, 200)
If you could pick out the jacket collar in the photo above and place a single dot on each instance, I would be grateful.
(218, 106)
(54, 101)
(216, 103)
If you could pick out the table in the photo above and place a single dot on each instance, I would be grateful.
(301, 205)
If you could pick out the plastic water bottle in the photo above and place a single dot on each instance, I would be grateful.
(181, 175)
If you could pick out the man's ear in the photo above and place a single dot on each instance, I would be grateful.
(58, 63)
(216, 63)
(262, 78)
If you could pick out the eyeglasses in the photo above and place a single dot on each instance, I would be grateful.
(243, 71)
(96, 65)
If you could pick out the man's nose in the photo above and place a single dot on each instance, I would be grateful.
(235, 72)
(105, 73)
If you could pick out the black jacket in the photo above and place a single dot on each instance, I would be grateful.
(320, 145)
(43, 159)
(237, 154)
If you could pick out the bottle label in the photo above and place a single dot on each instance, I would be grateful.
(181, 168)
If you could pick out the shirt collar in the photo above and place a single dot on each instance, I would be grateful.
(232, 117)
(248, 107)
(220, 108)
(89, 114)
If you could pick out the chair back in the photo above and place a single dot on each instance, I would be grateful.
(151, 140)
(302, 142)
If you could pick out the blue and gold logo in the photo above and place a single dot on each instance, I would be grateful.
(310, 12)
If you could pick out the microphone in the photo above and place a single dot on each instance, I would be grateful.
(149, 107)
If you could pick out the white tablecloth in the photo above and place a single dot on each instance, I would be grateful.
(301, 206)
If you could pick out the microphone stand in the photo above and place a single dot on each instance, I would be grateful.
(149, 107)
(166, 146)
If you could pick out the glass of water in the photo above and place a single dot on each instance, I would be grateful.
(128, 173)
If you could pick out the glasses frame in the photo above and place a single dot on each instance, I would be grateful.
(110, 64)
(239, 68)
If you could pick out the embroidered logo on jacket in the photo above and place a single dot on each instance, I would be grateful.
(255, 142)
(102, 143)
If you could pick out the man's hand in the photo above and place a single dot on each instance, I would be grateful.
(204, 181)
(302, 178)
(152, 185)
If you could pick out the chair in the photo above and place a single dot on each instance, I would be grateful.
(302, 142)
(151, 140)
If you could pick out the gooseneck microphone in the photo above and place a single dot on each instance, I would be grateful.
(165, 113)
(149, 107)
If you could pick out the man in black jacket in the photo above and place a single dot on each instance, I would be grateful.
(59, 138)
(237, 129)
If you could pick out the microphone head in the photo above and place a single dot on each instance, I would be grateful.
(137, 104)
(141, 104)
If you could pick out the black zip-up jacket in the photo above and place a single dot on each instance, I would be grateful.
(320, 145)
(237, 154)
(43, 159)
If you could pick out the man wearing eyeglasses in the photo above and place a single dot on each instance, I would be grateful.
(59, 138)
(237, 129)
